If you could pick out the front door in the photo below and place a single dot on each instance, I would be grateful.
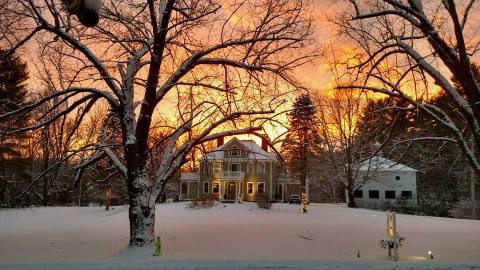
(231, 191)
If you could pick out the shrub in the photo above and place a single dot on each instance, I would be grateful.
(204, 202)
(264, 203)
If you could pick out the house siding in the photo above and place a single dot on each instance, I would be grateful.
(207, 175)
(386, 180)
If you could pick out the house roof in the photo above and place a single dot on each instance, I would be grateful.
(381, 164)
(254, 150)
(192, 176)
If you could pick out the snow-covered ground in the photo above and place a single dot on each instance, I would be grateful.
(237, 236)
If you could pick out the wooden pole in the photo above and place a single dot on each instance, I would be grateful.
(395, 237)
(472, 194)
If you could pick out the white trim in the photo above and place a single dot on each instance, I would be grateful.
(238, 151)
(271, 180)
(253, 188)
(258, 184)
(213, 167)
(261, 169)
(252, 167)
(234, 163)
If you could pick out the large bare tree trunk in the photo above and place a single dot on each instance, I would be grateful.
(141, 213)
(351, 197)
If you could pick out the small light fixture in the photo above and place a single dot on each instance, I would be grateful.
(430, 254)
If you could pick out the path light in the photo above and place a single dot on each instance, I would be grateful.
(430, 254)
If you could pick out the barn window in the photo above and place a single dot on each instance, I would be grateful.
(389, 194)
(373, 194)
(406, 194)
(397, 177)
(358, 193)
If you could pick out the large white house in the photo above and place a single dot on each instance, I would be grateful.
(385, 181)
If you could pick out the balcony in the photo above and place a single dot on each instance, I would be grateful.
(231, 175)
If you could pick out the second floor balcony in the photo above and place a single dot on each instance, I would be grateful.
(232, 175)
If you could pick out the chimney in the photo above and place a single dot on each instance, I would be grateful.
(264, 144)
(220, 141)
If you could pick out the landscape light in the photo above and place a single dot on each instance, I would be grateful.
(430, 254)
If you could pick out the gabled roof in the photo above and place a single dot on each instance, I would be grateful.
(381, 164)
(255, 152)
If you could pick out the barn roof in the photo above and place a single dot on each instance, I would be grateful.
(381, 164)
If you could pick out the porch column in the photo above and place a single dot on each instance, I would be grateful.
(237, 191)
(221, 191)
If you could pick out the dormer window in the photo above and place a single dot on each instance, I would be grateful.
(234, 152)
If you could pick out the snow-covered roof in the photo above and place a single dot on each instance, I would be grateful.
(381, 164)
(254, 150)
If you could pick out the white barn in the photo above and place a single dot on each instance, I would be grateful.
(385, 181)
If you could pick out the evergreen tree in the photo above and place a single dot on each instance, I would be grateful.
(13, 76)
(302, 142)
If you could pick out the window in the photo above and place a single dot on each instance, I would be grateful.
(358, 193)
(373, 194)
(234, 152)
(216, 187)
(184, 188)
(205, 187)
(261, 188)
(261, 167)
(250, 188)
(217, 167)
(250, 167)
(406, 194)
(397, 177)
(234, 167)
(389, 194)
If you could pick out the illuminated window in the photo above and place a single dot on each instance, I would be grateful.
(216, 187)
(250, 188)
(205, 187)
(261, 188)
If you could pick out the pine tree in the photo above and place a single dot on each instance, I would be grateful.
(13, 77)
(302, 142)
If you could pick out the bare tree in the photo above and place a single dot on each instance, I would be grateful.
(408, 48)
(145, 54)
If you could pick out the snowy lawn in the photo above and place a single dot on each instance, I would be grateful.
(233, 235)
